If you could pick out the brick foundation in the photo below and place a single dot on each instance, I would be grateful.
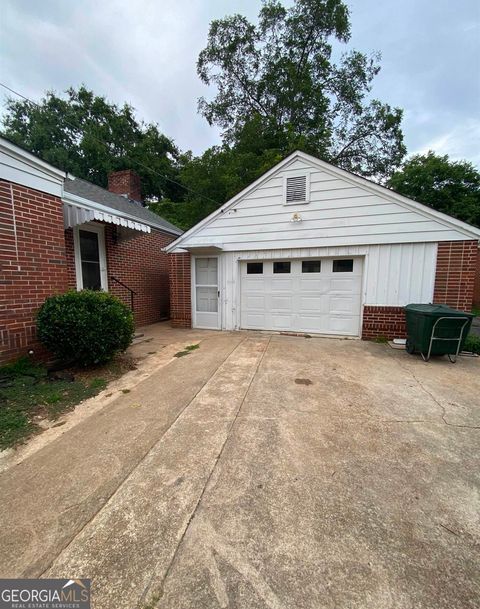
(385, 322)
(455, 274)
(180, 290)
(32, 264)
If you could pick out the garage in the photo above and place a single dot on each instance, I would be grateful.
(310, 295)
(311, 248)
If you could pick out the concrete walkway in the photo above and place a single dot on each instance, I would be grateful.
(263, 472)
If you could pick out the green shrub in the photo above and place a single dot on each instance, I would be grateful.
(472, 343)
(85, 327)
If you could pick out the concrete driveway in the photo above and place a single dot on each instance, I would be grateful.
(261, 471)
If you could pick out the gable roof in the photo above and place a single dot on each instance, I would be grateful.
(470, 232)
(97, 194)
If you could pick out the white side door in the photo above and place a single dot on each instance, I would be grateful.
(206, 309)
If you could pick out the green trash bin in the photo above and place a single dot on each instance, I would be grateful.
(436, 330)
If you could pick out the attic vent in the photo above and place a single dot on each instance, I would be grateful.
(296, 190)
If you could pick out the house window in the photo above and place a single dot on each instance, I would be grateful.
(90, 258)
(343, 266)
(281, 267)
(311, 266)
(254, 268)
(297, 189)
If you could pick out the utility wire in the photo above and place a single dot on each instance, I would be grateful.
(97, 139)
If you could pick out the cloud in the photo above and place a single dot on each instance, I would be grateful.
(459, 143)
(145, 53)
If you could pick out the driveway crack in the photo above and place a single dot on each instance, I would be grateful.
(436, 401)
(159, 592)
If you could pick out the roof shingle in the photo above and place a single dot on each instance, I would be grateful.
(97, 194)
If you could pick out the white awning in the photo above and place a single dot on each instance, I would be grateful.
(74, 214)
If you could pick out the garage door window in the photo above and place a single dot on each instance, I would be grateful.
(254, 268)
(311, 266)
(343, 266)
(281, 267)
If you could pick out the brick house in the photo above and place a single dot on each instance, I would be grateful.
(59, 233)
(309, 247)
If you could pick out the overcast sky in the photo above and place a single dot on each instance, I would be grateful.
(145, 51)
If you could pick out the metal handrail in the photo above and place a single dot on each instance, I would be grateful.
(132, 292)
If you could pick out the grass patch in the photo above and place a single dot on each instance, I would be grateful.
(192, 347)
(27, 396)
(476, 311)
(381, 340)
(472, 343)
(188, 349)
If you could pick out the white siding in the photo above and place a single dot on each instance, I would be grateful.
(20, 167)
(394, 275)
(340, 212)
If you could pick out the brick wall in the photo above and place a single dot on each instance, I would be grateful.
(387, 322)
(476, 289)
(455, 274)
(32, 263)
(141, 265)
(180, 290)
(125, 182)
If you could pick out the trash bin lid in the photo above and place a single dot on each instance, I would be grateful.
(437, 310)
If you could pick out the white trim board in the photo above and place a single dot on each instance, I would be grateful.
(23, 168)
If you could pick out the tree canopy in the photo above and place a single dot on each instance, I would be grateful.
(280, 84)
(452, 187)
(89, 137)
(282, 76)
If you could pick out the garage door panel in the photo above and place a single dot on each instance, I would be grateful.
(281, 285)
(349, 285)
(342, 324)
(339, 305)
(324, 302)
(313, 304)
(313, 285)
(281, 303)
(255, 301)
(255, 321)
(282, 322)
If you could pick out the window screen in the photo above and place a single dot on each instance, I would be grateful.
(296, 189)
(254, 268)
(311, 266)
(281, 267)
(343, 266)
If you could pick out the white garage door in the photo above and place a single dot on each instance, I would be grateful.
(310, 295)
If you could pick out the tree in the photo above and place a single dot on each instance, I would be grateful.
(89, 137)
(452, 187)
(211, 179)
(280, 77)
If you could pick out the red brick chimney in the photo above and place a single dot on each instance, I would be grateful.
(125, 182)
